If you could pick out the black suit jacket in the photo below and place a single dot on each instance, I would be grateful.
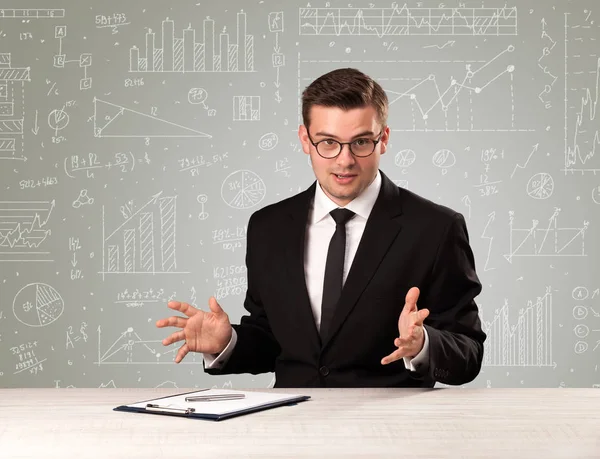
(408, 241)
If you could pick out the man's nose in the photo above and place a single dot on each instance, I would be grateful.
(346, 156)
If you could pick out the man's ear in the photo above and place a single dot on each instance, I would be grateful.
(385, 137)
(303, 136)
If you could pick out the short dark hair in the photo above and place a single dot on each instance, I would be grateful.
(345, 88)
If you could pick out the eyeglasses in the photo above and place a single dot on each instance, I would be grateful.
(361, 147)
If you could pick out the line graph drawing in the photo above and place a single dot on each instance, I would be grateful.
(582, 84)
(12, 108)
(551, 241)
(23, 230)
(450, 96)
(408, 21)
(518, 166)
(38, 305)
(131, 349)
(145, 243)
(525, 343)
(112, 120)
(184, 54)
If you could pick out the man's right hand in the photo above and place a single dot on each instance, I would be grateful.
(206, 332)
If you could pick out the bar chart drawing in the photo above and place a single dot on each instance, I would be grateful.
(246, 108)
(112, 120)
(183, 53)
(527, 342)
(145, 243)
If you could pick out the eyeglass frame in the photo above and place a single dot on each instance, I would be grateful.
(341, 144)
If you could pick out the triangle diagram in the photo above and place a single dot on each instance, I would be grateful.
(111, 120)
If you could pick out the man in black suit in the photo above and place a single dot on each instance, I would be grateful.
(335, 273)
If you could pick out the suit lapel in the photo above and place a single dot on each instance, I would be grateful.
(380, 231)
(295, 234)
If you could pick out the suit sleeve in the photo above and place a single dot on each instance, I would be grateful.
(453, 325)
(256, 349)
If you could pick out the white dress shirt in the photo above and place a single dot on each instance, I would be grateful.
(319, 230)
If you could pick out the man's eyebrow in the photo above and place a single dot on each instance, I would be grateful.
(326, 134)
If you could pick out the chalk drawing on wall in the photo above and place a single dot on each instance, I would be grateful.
(145, 242)
(524, 342)
(185, 54)
(243, 189)
(441, 95)
(131, 349)
(540, 186)
(12, 108)
(582, 86)
(112, 120)
(60, 59)
(246, 108)
(38, 305)
(31, 13)
(23, 230)
(547, 240)
(408, 21)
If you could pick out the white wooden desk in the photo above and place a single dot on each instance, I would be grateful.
(371, 423)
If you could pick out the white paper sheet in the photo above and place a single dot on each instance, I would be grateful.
(219, 407)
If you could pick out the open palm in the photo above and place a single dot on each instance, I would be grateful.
(410, 326)
(206, 332)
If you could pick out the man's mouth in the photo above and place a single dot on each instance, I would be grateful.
(344, 175)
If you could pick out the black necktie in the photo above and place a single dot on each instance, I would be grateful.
(334, 268)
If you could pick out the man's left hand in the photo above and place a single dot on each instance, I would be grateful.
(410, 326)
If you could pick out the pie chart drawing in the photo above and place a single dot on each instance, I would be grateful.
(405, 158)
(38, 305)
(540, 186)
(243, 189)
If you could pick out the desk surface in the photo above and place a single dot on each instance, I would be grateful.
(374, 423)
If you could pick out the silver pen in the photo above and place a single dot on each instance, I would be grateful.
(215, 397)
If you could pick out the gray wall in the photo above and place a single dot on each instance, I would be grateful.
(124, 185)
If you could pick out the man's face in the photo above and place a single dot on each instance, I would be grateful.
(343, 126)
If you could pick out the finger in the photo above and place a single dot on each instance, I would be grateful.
(396, 355)
(405, 340)
(183, 350)
(173, 338)
(421, 316)
(173, 321)
(412, 296)
(185, 308)
(214, 306)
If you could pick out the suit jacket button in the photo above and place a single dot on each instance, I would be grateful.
(324, 370)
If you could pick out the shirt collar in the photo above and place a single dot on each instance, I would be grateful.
(361, 205)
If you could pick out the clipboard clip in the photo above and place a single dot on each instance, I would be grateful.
(155, 407)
